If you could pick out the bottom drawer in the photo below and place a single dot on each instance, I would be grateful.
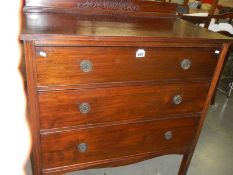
(92, 144)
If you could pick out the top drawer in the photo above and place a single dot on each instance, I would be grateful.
(84, 65)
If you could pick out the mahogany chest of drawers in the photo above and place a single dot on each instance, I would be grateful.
(108, 90)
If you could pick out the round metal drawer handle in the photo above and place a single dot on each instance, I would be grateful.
(84, 108)
(86, 66)
(82, 147)
(185, 64)
(168, 135)
(177, 99)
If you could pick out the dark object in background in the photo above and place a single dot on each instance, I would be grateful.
(225, 10)
(181, 9)
(225, 84)
(195, 5)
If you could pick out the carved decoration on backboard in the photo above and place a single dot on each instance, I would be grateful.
(125, 5)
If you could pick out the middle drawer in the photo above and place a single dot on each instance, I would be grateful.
(88, 106)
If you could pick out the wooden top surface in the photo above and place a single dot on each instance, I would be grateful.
(50, 26)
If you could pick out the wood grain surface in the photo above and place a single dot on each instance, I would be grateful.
(62, 108)
(60, 26)
(61, 149)
(129, 7)
(61, 66)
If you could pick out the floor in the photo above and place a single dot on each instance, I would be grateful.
(213, 155)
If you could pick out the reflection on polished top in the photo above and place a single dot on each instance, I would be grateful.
(69, 26)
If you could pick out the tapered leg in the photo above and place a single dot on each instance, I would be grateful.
(185, 163)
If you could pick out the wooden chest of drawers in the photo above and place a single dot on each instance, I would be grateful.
(106, 91)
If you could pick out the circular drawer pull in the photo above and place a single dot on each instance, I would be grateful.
(86, 66)
(168, 135)
(84, 108)
(185, 64)
(82, 147)
(177, 99)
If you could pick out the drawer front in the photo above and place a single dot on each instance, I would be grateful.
(101, 143)
(85, 106)
(84, 65)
